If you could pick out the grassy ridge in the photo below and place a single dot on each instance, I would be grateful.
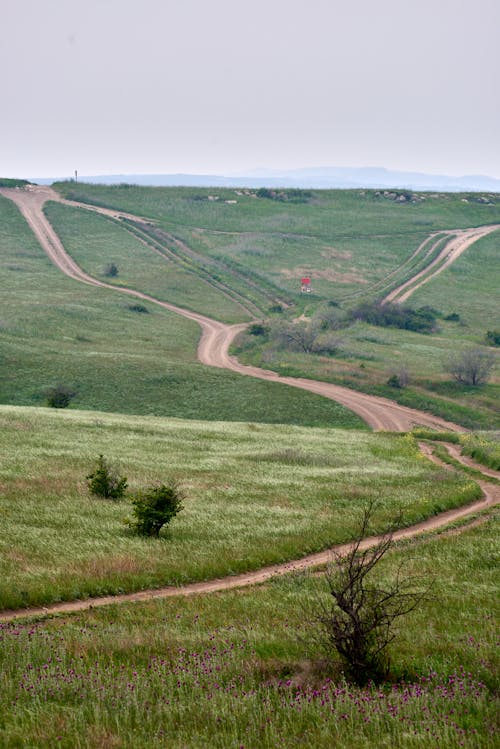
(55, 329)
(347, 239)
(229, 670)
(257, 495)
(93, 241)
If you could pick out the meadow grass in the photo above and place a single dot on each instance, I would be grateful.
(256, 494)
(54, 329)
(367, 355)
(349, 242)
(94, 241)
(244, 668)
(347, 239)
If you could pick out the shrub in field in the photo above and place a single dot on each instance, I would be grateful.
(111, 270)
(357, 620)
(493, 337)
(399, 378)
(156, 507)
(60, 396)
(138, 308)
(471, 367)
(105, 480)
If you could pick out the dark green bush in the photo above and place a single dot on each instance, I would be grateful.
(111, 270)
(422, 320)
(258, 329)
(105, 480)
(156, 507)
(60, 395)
(493, 337)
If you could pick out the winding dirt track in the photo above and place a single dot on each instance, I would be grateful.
(216, 337)
(491, 497)
(213, 348)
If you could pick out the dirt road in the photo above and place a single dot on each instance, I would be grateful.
(490, 499)
(216, 337)
(459, 241)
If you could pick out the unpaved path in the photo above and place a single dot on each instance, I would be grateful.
(490, 499)
(216, 337)
(459, 241)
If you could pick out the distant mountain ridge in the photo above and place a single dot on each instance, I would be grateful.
(312, 178)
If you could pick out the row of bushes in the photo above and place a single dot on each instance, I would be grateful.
(421, 320)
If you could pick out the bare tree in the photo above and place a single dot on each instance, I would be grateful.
(298, 336)
(472, 366)
(357, 618)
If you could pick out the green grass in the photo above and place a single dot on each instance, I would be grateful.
(369, 354)
(241, 669)
(349, 243)
(256, 495)
(54, 329)
(93, 241)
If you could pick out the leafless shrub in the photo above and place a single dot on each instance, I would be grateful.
(356, 620)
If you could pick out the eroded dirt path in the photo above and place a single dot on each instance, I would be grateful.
(491, 497)
(216, 337)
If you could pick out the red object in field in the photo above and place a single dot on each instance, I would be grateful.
(305, 281)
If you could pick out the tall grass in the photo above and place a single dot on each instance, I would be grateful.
(242, 669)
(256, 495)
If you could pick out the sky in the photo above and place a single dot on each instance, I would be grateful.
(226, 86)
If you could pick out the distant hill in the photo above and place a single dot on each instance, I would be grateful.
(313, 178)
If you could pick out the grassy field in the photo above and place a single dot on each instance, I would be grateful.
(345, 239)
(241, 669)
(368, 355)
(352, 240)
(93, 241)
(53, 329)
(348, 242)
(257, 495)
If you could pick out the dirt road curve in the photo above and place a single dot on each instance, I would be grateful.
(216, 337)
(490, 499)
(459, 241)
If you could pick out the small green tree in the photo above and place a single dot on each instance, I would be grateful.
(60, 396)
(111, 270)
(105, 480)
(155, 507)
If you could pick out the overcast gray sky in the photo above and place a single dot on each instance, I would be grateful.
(222, 86)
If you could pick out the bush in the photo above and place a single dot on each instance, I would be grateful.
(471, 367)
(60, 396)
(258, 329)
(105, 481)
(111, 270)
(399, 378)
(422, 320)
(155, 508)
(357, 619)
(138, 308)
(493, 337)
